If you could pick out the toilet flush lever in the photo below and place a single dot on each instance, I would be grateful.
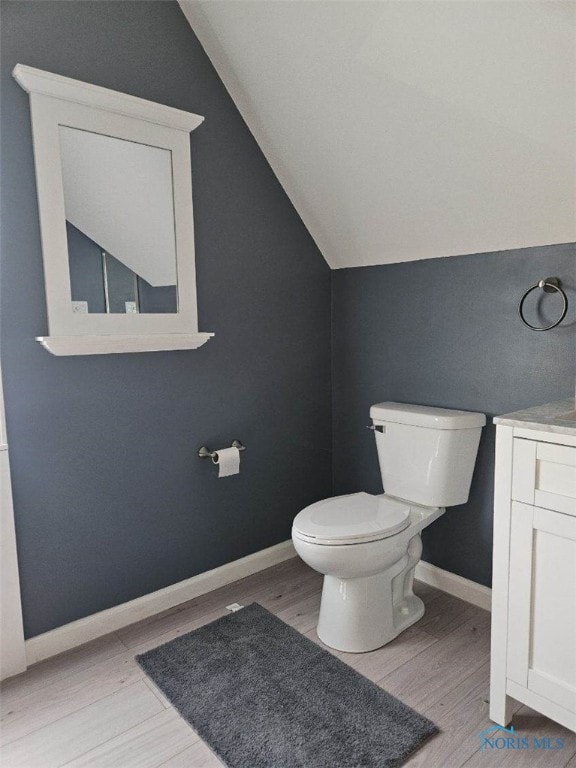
(376, 428)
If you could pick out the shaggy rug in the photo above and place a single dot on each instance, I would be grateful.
(262, 695)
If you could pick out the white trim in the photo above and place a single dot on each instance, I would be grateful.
(82, 631)
(65, 88)
(541, 704)
(501, 705)
(558, 438)
(455, 585)
(105, 345)
(13, 656)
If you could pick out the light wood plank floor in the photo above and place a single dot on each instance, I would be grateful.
(93, 707)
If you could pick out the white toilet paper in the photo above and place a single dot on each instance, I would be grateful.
(228, 461)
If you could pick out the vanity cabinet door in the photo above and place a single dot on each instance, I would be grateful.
(542, 603)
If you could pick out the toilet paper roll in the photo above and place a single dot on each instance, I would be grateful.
(228, 460)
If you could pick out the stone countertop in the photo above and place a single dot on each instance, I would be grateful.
(559, 418)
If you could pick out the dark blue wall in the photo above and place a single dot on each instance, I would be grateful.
(111, 501)
(445, 332)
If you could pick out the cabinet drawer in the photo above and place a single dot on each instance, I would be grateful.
(544, 474)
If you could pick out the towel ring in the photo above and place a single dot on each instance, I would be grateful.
(550, 285)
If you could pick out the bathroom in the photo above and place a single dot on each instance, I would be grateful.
(375, 187)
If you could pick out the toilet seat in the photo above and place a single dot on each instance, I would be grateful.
(353, 519)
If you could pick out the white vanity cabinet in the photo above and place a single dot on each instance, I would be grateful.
(533, 656)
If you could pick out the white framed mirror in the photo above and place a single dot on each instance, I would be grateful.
(113, 175)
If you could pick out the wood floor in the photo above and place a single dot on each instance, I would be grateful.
(93, 707)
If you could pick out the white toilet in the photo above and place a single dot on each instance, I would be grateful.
(368, 546)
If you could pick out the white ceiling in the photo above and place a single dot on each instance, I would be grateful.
(408, 129)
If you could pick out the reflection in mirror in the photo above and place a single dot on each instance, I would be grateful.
(119, 208)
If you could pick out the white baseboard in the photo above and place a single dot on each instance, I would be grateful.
(82, 631)
(471, 591)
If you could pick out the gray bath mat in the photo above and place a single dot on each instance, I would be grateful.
(264, 696)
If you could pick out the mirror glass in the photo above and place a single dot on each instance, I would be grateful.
(119, 206)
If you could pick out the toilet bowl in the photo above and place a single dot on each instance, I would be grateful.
(371, 554)
(368, 546)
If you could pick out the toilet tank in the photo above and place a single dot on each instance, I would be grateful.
(426, 455)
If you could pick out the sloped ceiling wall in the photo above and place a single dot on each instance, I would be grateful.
(408, 130)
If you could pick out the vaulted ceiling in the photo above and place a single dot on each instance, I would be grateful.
(408, 129)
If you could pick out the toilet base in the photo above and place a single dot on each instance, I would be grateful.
(362, 614)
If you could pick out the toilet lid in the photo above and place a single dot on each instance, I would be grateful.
(351, 519)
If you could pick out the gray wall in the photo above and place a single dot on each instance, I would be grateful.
(111, 500)
(445, 332)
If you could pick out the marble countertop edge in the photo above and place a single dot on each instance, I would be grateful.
(558, 418)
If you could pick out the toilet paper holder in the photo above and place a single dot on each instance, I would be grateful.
(206, 453)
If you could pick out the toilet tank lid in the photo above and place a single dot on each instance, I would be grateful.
(426, 416)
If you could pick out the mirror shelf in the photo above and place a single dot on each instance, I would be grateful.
(113, 177)
(107, 345)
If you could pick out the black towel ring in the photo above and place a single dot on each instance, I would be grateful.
(550, 285)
